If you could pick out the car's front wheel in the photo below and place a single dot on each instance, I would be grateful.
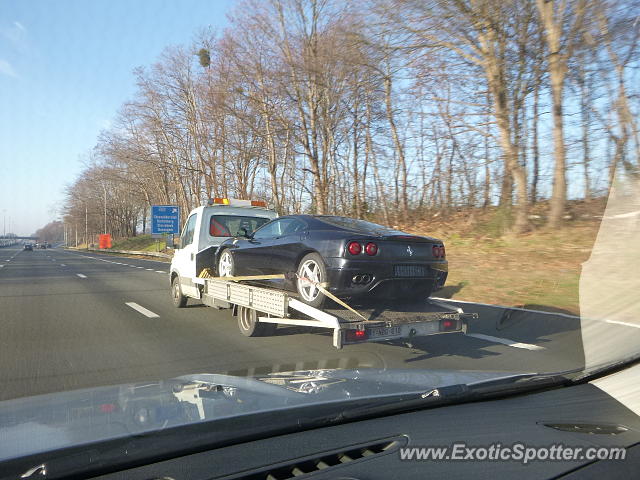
(311, 273)
(179, 300)
(225, 264)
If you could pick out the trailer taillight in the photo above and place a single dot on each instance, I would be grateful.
(356, 335)
(447, 325)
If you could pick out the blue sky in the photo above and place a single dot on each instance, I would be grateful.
(65, 69)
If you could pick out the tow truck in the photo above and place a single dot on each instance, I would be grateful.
(260, 308)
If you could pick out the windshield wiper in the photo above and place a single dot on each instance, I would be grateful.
(452, 394)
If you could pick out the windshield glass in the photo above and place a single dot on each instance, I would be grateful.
(132, 297)
(233, 225)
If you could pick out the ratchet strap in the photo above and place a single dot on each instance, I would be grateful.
(327, 293)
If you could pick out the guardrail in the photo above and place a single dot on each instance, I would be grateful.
(126, 252)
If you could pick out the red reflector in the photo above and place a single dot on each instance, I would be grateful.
(356, 335)
(258, 203)
(371, 248)
(354, 248)
(107, 408)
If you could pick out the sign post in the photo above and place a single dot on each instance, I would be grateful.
(165, 220)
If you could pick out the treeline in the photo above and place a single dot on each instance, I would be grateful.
(51, 232)
(387, 109)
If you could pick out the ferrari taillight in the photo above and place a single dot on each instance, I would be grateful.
(371, 249)
(438, 251)
(354, 248)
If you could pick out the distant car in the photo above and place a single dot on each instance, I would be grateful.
(48, 245)
(29, 247)
(43, 245)
(352, 258)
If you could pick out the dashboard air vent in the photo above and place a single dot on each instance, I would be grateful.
(300, 467)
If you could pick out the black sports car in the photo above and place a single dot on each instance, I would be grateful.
(353, 258)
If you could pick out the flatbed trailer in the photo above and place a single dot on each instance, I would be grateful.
(260, 309)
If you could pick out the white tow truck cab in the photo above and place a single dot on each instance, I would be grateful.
(203, 232)
(259, 309)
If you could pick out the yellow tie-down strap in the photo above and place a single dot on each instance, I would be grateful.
(327, 293)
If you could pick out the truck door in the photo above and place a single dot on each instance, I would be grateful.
(184, 258)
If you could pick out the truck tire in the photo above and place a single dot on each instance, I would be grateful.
(311, 266)
(226, 266)
(179, 300)
(249, 325)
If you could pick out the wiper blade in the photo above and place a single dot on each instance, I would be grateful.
(452, 394)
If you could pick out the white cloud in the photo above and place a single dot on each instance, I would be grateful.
(16, 34)
(7, 69)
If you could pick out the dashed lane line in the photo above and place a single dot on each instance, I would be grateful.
(142, 310)
(505, 341)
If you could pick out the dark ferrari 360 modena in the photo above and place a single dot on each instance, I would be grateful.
(349, 257)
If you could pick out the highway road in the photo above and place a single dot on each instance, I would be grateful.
(71, 319)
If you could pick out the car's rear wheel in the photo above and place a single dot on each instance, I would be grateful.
(311, 272)
(179, 300)
(250, 326)
(225, 264)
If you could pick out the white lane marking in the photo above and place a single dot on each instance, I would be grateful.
(160, 271)
(627, 324)
(132, 266)
(505, 341)
(142, 310)
(1, 266)
(81, 275)
(149, 269)
(62, 265)
(139, 267)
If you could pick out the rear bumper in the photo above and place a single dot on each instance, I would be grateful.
(382, 277)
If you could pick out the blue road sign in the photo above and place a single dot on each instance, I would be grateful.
(165, 219)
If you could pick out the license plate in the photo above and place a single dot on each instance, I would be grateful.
(381, 332)
(410, 271)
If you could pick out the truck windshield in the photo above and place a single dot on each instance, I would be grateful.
(231, 225)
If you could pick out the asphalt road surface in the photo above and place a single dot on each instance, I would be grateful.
(71, 320)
